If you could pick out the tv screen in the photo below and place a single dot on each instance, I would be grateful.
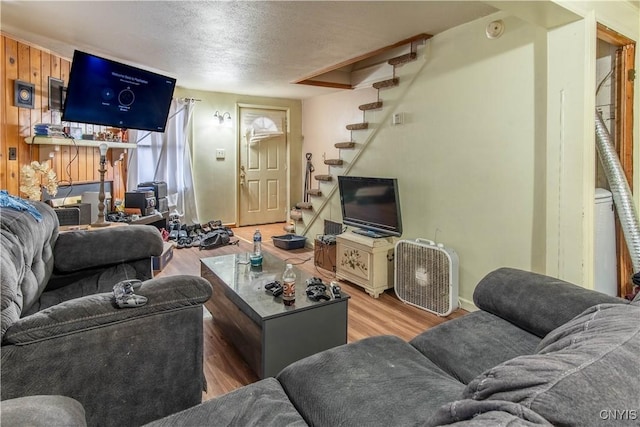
(109, 93)
(371, 204)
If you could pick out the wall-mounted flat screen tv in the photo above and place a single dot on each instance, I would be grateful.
(371, 204)
(109, 93)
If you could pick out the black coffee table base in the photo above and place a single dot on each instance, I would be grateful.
(268, 335)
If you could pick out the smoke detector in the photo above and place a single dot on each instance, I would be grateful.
(495, 29)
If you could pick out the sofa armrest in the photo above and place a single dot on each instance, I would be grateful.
(77, 250)
(534, 302)
(93, 311)
(123, 365)
(42, 411)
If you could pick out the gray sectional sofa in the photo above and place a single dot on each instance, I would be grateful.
(63, 335)
(539, 351)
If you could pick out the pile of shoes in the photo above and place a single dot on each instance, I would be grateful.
(189, 236)
(216, 235)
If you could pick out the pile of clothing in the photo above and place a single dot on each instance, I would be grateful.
(205, 236)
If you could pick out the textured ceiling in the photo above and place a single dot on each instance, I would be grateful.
(245, 47)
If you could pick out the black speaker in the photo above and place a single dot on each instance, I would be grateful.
(85, 211)
(23, 94)
(159, 188)
(142, 200)
(68, 216)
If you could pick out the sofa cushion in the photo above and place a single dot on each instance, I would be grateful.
(26, 258)
(584, 371)
(263, 403)
(79, 250)
(378, 381)
(42, 411)
(532, 301)
(469, 345)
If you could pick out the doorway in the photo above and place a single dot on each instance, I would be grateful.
(262, 166)
(617, 52)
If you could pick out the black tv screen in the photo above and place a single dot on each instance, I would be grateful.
(371, 204)
(109, 93)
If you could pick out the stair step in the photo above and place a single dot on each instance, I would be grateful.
(386, 83)
(334, 162)
(296, 214)
(304, 205)
(289, 228)
(314, 192)
(403, 59)
(323, 177)
(343, 145)
(371, 106)
(358, 126)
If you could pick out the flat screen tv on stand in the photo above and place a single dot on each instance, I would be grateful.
(371, 204)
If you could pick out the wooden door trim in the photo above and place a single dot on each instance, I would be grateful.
(623, 136)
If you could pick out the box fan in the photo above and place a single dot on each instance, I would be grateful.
(426, 275)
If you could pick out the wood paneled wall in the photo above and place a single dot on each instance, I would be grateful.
(72, 164)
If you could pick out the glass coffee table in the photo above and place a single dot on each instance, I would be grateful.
(268, 334)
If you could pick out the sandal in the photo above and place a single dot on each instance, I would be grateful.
(183, 242)
(215, 224)
(195, 241)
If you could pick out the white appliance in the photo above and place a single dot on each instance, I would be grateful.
(605, 265)
(426, 275)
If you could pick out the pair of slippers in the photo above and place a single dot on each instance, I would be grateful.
(176, 231)
(188, 242)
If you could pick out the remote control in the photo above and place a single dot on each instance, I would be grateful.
(335, 290)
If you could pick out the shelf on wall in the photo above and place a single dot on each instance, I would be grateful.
(46, 140)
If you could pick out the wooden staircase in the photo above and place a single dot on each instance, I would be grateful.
(339, 162)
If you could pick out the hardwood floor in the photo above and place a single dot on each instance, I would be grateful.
(224, 368)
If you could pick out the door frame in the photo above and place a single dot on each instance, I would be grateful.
(625, 57)
(287, 135)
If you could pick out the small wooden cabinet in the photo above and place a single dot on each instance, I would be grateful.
(366, 261)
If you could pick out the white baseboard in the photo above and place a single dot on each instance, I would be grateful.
(467, 305)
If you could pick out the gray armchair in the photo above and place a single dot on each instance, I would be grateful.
(62, 333)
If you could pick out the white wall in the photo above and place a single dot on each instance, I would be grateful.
(467, 156)
(570, 153)
(216, 181)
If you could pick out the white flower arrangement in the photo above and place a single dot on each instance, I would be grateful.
(31, 176)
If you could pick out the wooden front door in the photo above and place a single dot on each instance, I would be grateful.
(263, 166)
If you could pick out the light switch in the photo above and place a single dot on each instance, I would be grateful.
(397, 119)
(220, 153)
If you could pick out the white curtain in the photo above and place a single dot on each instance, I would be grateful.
(167, 157)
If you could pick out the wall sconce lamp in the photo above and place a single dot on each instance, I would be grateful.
(224, 118)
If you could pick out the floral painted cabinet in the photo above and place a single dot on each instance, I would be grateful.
(365, 261)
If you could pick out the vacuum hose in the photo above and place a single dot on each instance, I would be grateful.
(620, 190)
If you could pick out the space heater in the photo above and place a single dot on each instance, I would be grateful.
(426, 275)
